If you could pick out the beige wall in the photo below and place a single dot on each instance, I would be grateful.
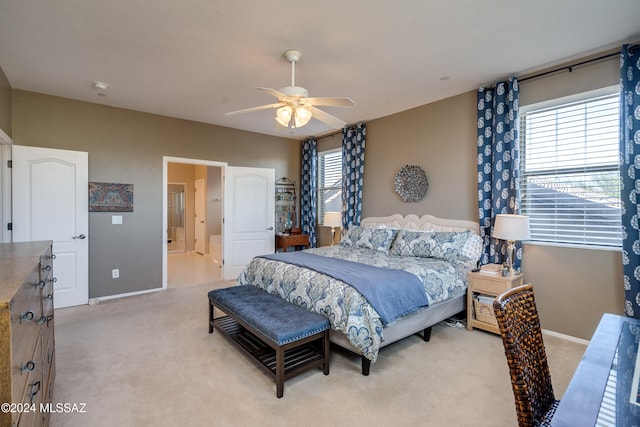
(574, 287)
(5, 104)
(127, 147)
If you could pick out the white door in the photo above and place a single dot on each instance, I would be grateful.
(50, 202)
(248, 229)
(201, 216)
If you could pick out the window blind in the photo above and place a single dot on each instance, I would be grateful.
(329, 183)
(570, 179)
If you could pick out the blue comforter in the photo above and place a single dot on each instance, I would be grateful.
(392, 293)
(347, 309)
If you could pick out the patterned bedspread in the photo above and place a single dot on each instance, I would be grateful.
(346, 308)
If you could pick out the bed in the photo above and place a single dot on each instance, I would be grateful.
(435, 252)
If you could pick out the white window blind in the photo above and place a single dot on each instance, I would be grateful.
(570, 179)
(329, 183)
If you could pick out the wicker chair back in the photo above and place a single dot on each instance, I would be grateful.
(519, 324)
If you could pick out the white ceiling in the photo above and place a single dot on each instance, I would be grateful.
(198, 59)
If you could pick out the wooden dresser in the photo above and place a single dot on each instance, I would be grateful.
(27, 367)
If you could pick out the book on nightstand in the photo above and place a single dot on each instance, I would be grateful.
(491, 269)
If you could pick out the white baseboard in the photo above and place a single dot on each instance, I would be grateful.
(94, 301)
(566, 337)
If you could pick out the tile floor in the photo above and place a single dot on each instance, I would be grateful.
(190, 269)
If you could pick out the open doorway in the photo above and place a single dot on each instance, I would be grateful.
(176, 203)
(192, 250)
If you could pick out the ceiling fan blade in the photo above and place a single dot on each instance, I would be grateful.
(261, 107)
(331, 102)
(281, 96)
(327, 118)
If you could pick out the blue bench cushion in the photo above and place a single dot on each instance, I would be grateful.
(274, 318)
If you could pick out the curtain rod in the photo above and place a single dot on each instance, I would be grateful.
(572, 66)
(327, 135)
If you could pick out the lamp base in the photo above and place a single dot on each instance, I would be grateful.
(511, 252)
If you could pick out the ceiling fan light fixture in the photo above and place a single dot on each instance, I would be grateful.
(302, 116)
(283, 115)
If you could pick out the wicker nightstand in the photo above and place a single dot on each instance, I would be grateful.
(480, 314)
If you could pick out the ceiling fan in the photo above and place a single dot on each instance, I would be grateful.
(294, 102)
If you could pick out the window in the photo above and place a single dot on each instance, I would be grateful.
(569, 173)
(329, 183)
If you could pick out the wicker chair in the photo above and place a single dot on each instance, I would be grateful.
(521, 333)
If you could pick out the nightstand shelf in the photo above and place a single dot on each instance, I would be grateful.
(491, 286)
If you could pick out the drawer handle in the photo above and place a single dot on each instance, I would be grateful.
(46, 268)
(35, 388)
(27, 316)
(42, 320)
(29, 366)
(53, 280)
(52, 256)
(48, 296)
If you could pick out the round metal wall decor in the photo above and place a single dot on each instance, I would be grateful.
(411, 183)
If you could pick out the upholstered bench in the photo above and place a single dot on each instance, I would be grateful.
(284, 338)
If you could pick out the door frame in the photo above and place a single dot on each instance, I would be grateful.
(165, 175)
(5, 186)
(200, 199)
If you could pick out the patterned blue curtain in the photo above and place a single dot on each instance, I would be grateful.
(498, 165)
(309, 190)
(630, 175)
(353, 142)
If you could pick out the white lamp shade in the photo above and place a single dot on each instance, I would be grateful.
(332, 219)
(283, 115)
(511, 227)
(302, 116)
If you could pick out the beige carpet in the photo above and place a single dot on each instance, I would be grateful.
(149, 361)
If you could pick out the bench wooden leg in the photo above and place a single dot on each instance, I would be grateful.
(325, 350)
(279, 372)
(210, 316)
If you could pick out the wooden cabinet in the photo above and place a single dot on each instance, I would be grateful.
(295, 240)
(480, 310)
(27, 356)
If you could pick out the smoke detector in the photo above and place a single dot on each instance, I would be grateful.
(101, 88)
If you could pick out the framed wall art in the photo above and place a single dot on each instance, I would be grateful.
(109, 197)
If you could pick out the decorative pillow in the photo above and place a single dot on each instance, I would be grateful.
(413, 243)
(371, 238)
(461, 246)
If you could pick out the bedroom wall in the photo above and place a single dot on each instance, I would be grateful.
(574, 287)
(5, 104)
(126, 146)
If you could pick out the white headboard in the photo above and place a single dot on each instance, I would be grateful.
(425, 222)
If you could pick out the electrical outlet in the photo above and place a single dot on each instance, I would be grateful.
(115, 273)
(116, 219)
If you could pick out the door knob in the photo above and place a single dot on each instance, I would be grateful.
(270, 228)
(80, 236)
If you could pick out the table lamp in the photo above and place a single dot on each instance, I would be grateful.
(333, 220)
(511, 227)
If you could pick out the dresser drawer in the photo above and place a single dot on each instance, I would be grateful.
(27, 374)
(490, 285)
(26, 317)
